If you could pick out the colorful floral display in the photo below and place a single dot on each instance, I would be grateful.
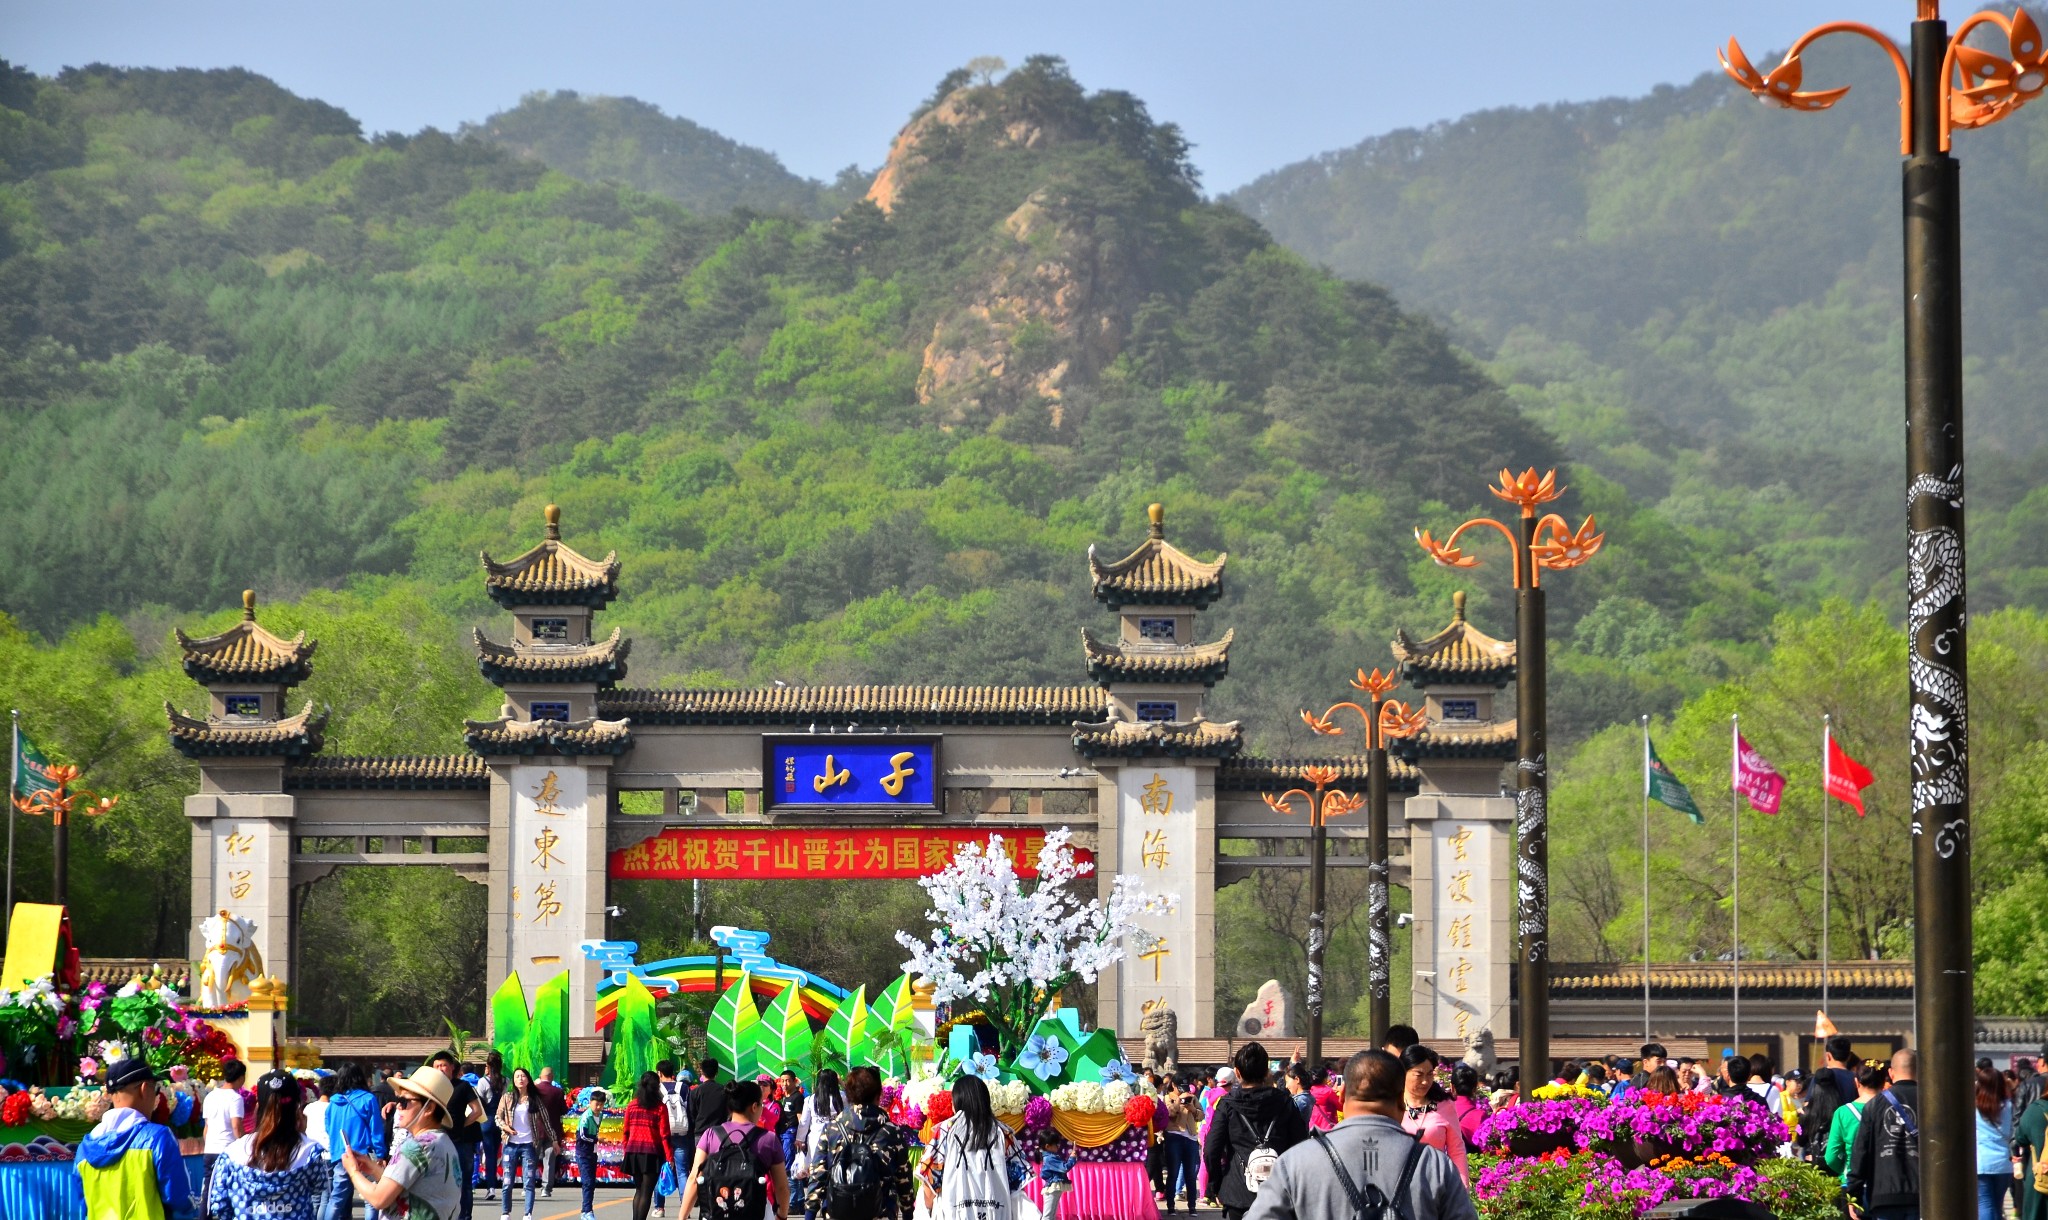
(1599, 1187)
(46, 1034)
(1683, 1124)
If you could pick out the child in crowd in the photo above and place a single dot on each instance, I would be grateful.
(1055, 1170)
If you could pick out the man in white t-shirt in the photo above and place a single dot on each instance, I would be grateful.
(225, 1115)
(316, 1112)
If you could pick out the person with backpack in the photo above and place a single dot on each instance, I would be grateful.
(1824, 1096)
(588, 1126)
(1249, 1130)
(739, 1171)
(675, 1098)
(972, 1170)
(1870, 1081)
(863, 1160)
(1368, 1167)
(1884, 1162)
(490, 1086)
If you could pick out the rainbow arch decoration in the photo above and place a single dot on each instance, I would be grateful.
(745, 954)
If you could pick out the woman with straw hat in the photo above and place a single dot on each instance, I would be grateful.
(424, 1170)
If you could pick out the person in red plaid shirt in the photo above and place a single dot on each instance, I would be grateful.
(646, 1141)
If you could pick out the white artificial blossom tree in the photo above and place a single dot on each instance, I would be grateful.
(1011, 945)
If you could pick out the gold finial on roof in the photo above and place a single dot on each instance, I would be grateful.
(249, 605)
(1458, 606)
(553, 514)
(1157, 514)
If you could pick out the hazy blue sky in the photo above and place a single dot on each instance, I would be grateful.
(825, 84)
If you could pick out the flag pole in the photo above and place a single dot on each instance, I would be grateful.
(13, 786)
(1827, 755)
(1646, 878)
(1735, 865)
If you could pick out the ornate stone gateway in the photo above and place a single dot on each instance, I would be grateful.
(814, 782)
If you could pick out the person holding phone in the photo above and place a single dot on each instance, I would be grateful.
(421, 1181)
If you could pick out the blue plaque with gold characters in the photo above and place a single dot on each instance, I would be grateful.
(844, 772)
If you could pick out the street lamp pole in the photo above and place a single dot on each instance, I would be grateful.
(1944, 84)
(1532, 810)
(1542, 543)
(1324, 803)
(1387, 719)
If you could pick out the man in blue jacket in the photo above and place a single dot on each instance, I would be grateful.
(129, 1166)
(354, 1121)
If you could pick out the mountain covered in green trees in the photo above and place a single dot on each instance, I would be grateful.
(855, 433)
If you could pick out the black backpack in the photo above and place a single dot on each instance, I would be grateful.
(860, 1172)
(733, 1185)
(1373, 1205)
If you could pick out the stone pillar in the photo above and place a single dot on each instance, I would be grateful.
(1461, 855)
(242, 864)
(547, 873)
(1165, 834)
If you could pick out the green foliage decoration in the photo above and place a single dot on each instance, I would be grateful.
(785, 1033)
(509, 1024)
(547, 1034)
(734, 1031)
(635, 1046)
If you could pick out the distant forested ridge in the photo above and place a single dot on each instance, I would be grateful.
(1701, 297)
(632, 143)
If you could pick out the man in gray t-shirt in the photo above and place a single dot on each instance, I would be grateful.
(1372, 1149)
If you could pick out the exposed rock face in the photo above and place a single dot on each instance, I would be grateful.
(1046, 313)
(1266, 1016)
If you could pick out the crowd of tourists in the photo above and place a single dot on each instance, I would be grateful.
(1388, 1129)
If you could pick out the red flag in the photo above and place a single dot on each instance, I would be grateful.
(1847, 778)
(1757, 780)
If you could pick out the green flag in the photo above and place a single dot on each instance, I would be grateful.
(32, 771)
(1663, 787)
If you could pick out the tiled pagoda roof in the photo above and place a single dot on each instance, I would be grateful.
(1157, 573)
(1446, 740)
(1250, 773)
(603, 662)
(1197, 738)
(1460, 654)
(246, 652)
(1116, 661)
(293, 737)
(408, 772)
(488, 737)
(874, 705)
(552, 575)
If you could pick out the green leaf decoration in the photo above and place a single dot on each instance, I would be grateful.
(786, 1036)
(846, 1034)
(635, 1048)
(1095, 1052)
(895, 1007)
(733, 1030)
(1064, 1033)
(508, 1022)
(547, 1035)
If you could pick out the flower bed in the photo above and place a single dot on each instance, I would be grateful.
(1533, 1128)
(1645, 1128)
(1595, 1186)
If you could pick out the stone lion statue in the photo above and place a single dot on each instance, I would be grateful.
(1161, 1028)
(231, 961)
(1479, 1051)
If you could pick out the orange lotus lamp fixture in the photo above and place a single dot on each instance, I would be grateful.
(1944, 84)
(59, 802)
(1551, 544)
(1543, 543)
(1324, 803)
(1977, 88)
(1387, 720)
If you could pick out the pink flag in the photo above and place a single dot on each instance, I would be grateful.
(1755, 779)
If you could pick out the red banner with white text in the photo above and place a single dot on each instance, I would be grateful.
(791, 854)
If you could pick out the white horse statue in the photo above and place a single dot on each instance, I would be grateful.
(231, 962)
